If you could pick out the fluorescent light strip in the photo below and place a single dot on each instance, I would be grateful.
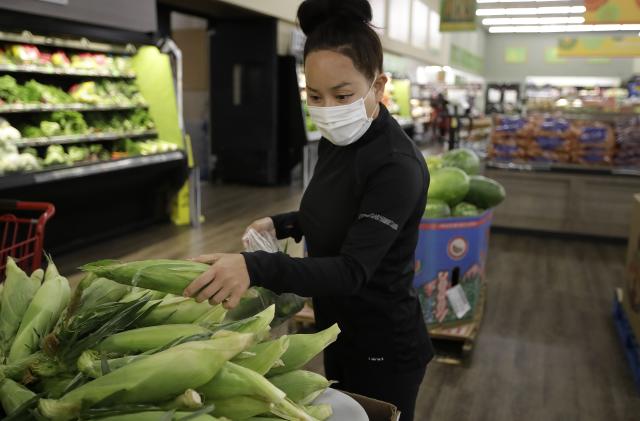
(533, 29)
(515, 11)
(517, 1)
(533, 21)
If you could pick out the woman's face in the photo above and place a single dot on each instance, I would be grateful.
(333, 80)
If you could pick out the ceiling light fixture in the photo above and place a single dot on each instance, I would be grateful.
(532, 29)
(556, 20)
(515, 11)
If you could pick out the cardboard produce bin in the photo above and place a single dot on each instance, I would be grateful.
(451, 251)
(376, 410)
(631, 300)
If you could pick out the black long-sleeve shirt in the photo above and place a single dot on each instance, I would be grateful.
(359, 217)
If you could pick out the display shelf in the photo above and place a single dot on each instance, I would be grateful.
(82, 44)
(584, 115)
(44, 108)
(83, 138)
(573, 168)
(48, 70)
(87, 169)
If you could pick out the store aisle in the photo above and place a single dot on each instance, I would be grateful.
(547, 349)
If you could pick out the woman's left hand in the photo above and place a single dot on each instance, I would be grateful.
(224, 282)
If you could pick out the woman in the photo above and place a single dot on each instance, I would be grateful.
(359, 216)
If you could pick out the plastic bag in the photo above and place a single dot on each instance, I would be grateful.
(256, 241)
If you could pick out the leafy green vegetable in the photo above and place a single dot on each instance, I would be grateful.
(71, 122)
(50, 128)
(9, 89)
(56, 156)
(78, 153)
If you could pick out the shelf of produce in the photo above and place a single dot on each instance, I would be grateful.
(45, 108)
(83, 138)
(82, 44)
(87, 169)
(49, 70)
(585, 115)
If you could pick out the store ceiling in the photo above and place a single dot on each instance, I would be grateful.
(540, 16)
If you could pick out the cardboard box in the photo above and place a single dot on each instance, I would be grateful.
(376, 410)
(631, 300)
(450, 251)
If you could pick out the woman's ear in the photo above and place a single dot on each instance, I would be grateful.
(378, 86)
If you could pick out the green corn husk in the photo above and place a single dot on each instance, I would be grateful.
(176, 310)
(42, 314)
(37, 275)
(170, 276)
(303, 348)
(92, 365)
(264, 419)
(319, 412)
(102, 291)
(234, 380)
(13, 395)
(158, 378)
(190, 400)
(241, 407)
(215, 315)
(265, 355)
(137, 293)
(160, 416)
(54, 387)
(302, 387)
(258, 324)
(148, 338)
(19, 290)
(257, 299)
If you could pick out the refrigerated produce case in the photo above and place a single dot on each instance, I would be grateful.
(90, 126)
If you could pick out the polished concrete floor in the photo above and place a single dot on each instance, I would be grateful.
(547, 349)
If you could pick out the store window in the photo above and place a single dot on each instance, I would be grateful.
(435, 36)
(379, 14)
(419, 24)
(399, 20)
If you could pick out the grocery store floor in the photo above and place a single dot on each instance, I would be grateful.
(547, 349)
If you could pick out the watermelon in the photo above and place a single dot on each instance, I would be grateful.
(434, 162)
(437, 209)
(449, 185)
(465, 159)
(465, 209)
(484, 192)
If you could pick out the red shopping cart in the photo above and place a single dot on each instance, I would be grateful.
(22, 233)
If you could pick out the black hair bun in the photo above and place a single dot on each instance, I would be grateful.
(314, 13)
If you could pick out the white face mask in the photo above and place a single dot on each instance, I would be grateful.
(343, 124)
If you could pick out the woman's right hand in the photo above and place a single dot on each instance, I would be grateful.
(262, 226)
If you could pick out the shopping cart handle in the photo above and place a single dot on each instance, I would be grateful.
(8, 204)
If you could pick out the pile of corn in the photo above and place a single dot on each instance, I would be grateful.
(123, 347)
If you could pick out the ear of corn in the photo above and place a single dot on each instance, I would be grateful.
(42, 314)
(102, 291)
(147, 338)
(170, 276)
(137, 293)
(265, 355)
(54, 387)
(302, 387)
(241, 407)
(19, 290)
(188, 401)
(319, 412)
(38, 275)
(13, 396)
(176, 310)
(303, 348)
(213, 316)
(234, 380)
(92, 365)
(155, 379)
